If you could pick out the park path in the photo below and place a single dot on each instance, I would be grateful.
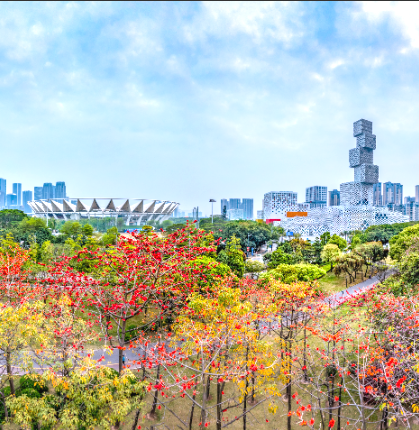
(343, 296)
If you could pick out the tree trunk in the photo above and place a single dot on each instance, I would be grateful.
(340, 403)
(252, 398)
(219, 400)
(9, 372)
(137, 415)
(204, 404)
(289, 399)
(120, 363)
(156, 395)
(305, 355)
(192, 411)
(121, 344)
(208, 388)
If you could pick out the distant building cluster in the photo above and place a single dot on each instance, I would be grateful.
(236, 209)
(277, 204)
(19, 199)
(357, 205)
(186, 213)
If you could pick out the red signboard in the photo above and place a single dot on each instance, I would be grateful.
(271, 220)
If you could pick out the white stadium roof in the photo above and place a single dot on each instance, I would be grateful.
(86, 207)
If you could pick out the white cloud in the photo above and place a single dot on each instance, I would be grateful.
(403, 14)
(336, 63)
(279, 21)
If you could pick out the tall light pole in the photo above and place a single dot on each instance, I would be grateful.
(212, 201)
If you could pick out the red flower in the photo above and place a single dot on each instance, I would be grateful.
(331, 423)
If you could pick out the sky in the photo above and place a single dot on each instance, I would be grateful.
(197, 100)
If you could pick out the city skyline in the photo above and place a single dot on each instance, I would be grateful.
(272, 87)
(384, 194)
(19, 197)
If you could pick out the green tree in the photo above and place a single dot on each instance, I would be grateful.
(349, 264)
(402, 241)
(33, 230)
(356, 240)
(409, 269)
(72, 229)
(111, 237)
(9, 217)
(224, 214)
(87, 230)
(251, 234)
(277, 257)
(339, 241)
(325, 237)
(329, 254)
(233, 256)
(315, 252)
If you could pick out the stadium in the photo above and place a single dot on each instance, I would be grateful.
(133, 211)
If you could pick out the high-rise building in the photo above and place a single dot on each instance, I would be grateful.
(334, 198)
(48, 191)
(234, 204)
(2, 193)
(360, 191)
(38, 193)
(60, 190)
(409, 200)
(417, 193)
(388, 193)
(316, 196)
(235, 214)
(398, 194)
(246, 205)
(17, 189)
(11, 201)
(377, 198)
(27, 197)
(392, 194)
(412, 210)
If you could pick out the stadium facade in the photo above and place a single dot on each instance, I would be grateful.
(133, 211)
(356, 210)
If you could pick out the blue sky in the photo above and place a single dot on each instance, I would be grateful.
(191, 101)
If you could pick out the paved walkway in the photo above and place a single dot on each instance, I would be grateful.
(351, 292)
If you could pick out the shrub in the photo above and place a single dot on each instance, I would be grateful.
(289, 273)
(253, 266)
(26, 382)
(278, 257)
(31, 393)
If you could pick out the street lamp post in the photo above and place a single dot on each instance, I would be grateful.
(212, 201)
